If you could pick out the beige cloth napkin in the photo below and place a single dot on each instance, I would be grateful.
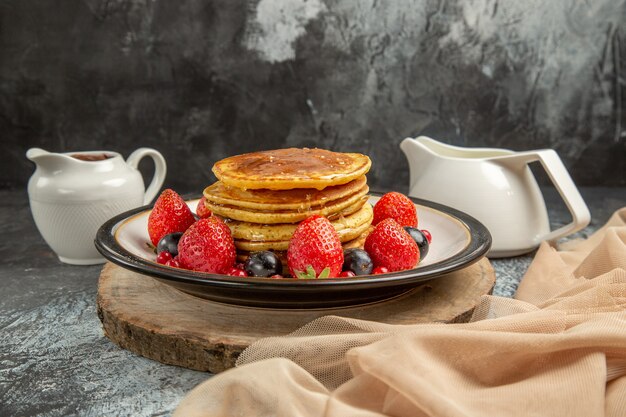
(558, 349)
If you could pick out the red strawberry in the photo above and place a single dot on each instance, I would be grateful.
(395, 206)
(170, 214)
(207, 246)
(201, 210)
(315, 250)
(390, 246)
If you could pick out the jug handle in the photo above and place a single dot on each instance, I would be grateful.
(564, 184)
(160, 169)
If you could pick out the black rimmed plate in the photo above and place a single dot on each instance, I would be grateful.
(458, 241)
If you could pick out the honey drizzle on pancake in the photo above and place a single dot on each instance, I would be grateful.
(285, 169)
(292, 162)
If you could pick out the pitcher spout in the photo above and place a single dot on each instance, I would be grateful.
(45, 160)
(34, 154)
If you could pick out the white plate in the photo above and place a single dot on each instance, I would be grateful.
(458, 240)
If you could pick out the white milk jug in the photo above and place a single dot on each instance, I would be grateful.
(72, 194)
(497, 187)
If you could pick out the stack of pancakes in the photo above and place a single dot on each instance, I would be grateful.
(263, 196)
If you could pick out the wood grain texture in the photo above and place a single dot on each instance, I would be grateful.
(159, 322)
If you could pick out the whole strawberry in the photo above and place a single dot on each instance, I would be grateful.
(201, 210)
(395, 206)
(315, 250)
(207, 246)
(170, 214)
(390, 246)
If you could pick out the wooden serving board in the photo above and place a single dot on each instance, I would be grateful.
(159, 322)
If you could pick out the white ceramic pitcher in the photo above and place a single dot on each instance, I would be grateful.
(72, 194)
(497, 187)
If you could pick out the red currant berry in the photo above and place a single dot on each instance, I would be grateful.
(173, 263)
(277, 276)
(163, 257)
(347, 274)
(427, 235)
(236, 272)
(380, 270)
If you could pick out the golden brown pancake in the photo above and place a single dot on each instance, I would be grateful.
(268, 200)
(345, 235)
(284, 231)
(358, 242)
(341, 207)
(263, 196)
(286, 169)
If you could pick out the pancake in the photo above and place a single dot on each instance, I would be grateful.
(341, 207)
(286, 169)
(359, 241)
(295, 199)
(345, 235)
(262, 196)
(284, 231)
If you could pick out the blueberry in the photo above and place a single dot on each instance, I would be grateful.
(420, 239)
(263, 264)
(357, 261)
(169, 243)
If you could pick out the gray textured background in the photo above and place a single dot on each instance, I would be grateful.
(203, 79)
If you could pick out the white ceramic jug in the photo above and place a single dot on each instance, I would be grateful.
(72, 194)
(497, 187)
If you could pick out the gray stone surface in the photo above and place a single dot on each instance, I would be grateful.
(54, 359)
